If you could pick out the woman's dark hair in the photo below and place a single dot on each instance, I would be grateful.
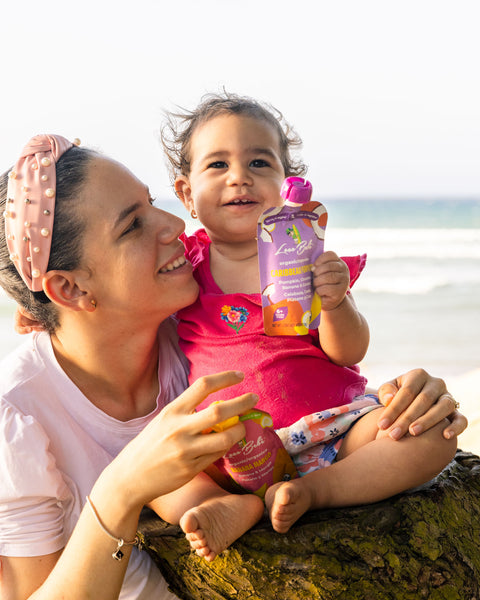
(67, 235)
(176, 134)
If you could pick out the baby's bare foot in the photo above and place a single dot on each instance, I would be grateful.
(286, 502)
(218, 522)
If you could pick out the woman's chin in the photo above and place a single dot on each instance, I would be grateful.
(188, 295)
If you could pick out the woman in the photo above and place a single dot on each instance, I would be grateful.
(86, 407)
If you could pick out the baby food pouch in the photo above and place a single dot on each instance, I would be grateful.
(260, 459)
(290, 238)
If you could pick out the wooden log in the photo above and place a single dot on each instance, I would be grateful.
(424, 543)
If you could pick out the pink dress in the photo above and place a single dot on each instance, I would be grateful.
(292, 376)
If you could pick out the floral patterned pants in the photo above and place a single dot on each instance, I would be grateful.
(313, 441)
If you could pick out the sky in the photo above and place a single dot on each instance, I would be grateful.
(385, 94)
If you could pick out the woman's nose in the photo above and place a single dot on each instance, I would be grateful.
(169, 226)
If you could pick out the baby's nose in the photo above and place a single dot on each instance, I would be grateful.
(239, 175)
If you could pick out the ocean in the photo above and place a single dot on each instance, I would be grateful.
(420, 290)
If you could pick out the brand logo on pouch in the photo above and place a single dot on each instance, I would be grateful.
(252, 445)
(298, 250)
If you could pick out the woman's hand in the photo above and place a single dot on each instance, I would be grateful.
(172, 449)
(415, 402)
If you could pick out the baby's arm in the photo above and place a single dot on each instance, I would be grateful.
(343, 331)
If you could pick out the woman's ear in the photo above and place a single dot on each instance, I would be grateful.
(62, 288)
(184, 191)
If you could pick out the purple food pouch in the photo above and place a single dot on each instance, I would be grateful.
(290, 238)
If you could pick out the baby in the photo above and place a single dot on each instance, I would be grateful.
(229, 158)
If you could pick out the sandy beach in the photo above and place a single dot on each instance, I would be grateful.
(466, 389)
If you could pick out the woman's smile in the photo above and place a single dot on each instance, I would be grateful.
(178, 262)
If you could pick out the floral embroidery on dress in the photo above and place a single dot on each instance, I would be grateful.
(234, 316)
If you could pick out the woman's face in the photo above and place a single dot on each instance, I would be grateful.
(131, 250)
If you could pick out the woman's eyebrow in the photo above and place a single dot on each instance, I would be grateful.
(130, 209)
(125, 213)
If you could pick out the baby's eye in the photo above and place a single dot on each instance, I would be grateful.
(218, 164)
(259, 162)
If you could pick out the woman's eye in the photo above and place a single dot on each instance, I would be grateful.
(218, 164)
(259, 162)
(135, 224)
(152, 201)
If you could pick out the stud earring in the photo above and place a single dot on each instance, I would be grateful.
(193, 214)
(93, 303)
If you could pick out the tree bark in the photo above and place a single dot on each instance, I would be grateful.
(424, 543)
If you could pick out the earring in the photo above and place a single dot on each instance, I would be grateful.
(193, 214)
(93, 303)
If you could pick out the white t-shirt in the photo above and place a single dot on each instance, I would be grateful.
(54, 443)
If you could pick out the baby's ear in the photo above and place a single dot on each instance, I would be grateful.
(184, 191)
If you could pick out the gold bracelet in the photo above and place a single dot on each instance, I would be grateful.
(118, 554)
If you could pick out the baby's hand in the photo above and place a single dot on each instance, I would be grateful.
(331, 279)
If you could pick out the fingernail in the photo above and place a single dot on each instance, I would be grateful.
(449, 434)
(386, 399)
(383, 424)
(239, 374)
(396, 433)
(416, 429)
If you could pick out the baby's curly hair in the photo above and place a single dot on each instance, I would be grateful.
(176, 133)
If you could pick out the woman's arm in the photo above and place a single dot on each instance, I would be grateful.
(165, 455)
(415, 402)
(20, 577)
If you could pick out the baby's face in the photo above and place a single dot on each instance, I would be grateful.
(236, 174)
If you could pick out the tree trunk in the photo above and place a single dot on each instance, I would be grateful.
(421, 544)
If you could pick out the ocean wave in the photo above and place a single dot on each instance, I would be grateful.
(420, 275)
(406, 243)
(400, 286)
(406, 284)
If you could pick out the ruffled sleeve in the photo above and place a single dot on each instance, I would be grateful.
(196, 246)
(355, 265)
(32, 490)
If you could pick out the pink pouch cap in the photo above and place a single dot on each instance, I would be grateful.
(296, 189)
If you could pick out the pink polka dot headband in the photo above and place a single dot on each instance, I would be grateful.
(31, 205)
